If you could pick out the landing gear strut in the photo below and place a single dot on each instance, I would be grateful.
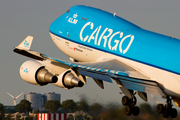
(167, 110)
(130, 105)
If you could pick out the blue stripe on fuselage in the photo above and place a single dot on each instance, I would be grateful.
(147, 47)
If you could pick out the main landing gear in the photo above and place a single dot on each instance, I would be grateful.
(167, 110)
(130, 106)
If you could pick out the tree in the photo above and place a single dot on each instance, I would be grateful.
(37, 111)
(9, 110)
(145, 108)
(29, 118)
(24, 106)
(69, 105)
(82, 105)
(96, 109)
(1, 111)
(18, 117)
(52, 105)
(86, 117)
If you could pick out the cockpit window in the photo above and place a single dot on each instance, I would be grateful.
(68, 10)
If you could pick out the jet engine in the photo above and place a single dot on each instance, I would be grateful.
(68, 80)
(35, 73)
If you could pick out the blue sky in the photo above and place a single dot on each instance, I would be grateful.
(19, 18)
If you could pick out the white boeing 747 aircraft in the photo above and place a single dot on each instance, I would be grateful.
(108, 48)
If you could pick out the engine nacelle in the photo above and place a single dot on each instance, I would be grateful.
(68, 80)
(35, 73)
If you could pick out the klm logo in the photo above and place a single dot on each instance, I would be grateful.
(73, 19)
(26, 70)
(26, 44)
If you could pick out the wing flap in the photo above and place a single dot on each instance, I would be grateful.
(95, 75)
(141, 85)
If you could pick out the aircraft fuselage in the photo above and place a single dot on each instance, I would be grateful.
(95, 35)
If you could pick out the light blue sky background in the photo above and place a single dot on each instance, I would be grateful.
(19, 18)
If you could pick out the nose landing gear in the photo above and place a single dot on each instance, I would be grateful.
(167, 110)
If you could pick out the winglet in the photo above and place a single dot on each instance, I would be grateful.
(26, 43)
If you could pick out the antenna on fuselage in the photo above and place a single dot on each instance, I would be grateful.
(114, 14)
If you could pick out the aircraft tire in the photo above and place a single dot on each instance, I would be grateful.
(160, 108)
(125, 100)
(173, 113)
(165, 113)
(128, 110)
(135, 111)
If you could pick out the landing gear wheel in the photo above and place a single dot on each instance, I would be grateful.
(160, 108)
(167, 109)
(173, 113)
(130, 105)
(127, 110)
(166, 113)
(125, 100)
(135, 111)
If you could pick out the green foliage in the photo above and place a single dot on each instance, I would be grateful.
(9, 110)
(1, 106)
(112, 111)
(18, 117)
(37, 111)
(24, 106)
(29, 118)
(52, 105)
(82, 105)
(1, 111)
(86, 117)
(145, 108)
(95, 109)
(69, 105)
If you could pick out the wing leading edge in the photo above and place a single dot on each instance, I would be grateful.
(113, 69)
(106, 70)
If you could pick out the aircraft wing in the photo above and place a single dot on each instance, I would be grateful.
(106, 70)
(113, 69)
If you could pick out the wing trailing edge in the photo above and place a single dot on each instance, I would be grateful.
(105, 70)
